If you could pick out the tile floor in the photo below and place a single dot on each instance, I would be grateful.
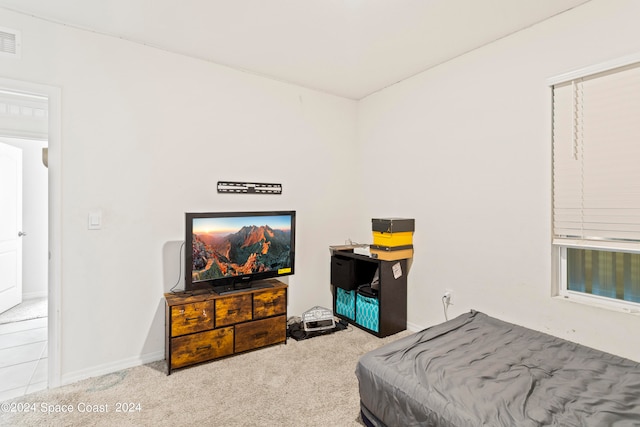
(23, 358)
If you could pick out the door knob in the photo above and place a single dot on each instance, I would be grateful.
(21, 233)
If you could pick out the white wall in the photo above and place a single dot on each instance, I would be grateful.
(465, 149)
(146, 135)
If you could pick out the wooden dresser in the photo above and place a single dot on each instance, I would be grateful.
(202, 326)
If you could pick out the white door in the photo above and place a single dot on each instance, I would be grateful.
(10, 226)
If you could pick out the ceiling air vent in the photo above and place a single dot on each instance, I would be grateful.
(9, 42)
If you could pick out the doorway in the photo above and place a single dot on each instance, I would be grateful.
(23, 327)
(29, 332)
(33, 231)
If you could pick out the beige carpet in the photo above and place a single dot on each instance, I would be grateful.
(302, 383)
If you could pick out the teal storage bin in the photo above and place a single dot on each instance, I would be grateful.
(367, 312)
(346, 303)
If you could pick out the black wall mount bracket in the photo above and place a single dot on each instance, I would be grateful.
(248, 187)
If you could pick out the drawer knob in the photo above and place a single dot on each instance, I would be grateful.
(206, 347)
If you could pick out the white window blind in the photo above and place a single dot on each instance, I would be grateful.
(596, 160)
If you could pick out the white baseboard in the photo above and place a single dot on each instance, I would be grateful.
(33, 295)
(109, 368)
(414, 327)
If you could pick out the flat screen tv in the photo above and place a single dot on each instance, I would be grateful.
(231, 251)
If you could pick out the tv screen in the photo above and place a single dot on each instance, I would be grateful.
(227, 251)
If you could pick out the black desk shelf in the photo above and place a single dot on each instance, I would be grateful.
(349, 271)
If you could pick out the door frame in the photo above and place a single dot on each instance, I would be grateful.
(54, 95)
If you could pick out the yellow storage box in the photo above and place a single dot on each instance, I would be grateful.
(391, 253)
(393, 239)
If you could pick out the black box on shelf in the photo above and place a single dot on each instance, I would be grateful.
(343, 273)
(392, 225)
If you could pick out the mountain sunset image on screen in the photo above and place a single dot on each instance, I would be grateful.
(237, 246)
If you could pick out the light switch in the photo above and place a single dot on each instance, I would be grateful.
(95, 220)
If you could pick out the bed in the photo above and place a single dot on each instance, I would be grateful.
(476, 370)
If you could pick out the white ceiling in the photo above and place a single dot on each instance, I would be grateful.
(350, 48)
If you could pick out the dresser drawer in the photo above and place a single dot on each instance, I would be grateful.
(190, 318)
(233, 309)
(269, 303)
(195, 348)
(261, 333)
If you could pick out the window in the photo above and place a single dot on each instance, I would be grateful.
(596, 184)
(604, 273)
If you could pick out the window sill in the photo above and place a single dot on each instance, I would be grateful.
(598, 302)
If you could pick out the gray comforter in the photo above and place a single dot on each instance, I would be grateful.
(475, 370)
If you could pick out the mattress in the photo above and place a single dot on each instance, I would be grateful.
(476, 370)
